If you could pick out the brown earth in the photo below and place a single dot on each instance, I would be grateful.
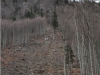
(38, 57)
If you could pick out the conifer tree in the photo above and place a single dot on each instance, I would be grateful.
(25, 0)
(35, 8)
(29, 14)
(3, 1)
(14, 1)
(57, 2)
(41, 12)
(66, 1)
(69, 54)
(54, 20)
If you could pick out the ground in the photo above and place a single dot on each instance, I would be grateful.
(39, 57)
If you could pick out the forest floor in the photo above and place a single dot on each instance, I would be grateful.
(41, 56)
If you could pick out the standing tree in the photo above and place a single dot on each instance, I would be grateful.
(25, 0)
(29, 14)
(66, 1)
(85, 39)
(54, 20)
(3, 1)
(65, 28)
(37, 7)
(14, 1)
(69, 54)
(57, 2)
(41, 13)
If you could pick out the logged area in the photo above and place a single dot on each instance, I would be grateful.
(50, 37)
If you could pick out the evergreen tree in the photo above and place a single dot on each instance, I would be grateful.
(14, 1)
(54, 20)
(57, 2)
(3, 1)
(69, 54)
(29, 14)
(66, 1)
(25, 0)
(35, 8)
(41, 12)
(99, 3)
(14, 18)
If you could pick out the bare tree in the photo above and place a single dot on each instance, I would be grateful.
(19, 32)
(85, 41)
(66, 29)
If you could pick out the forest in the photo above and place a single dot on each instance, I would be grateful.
(50, 37)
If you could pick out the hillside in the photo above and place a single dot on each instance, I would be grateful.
(17, 9)
(50, 37)
(39, 57)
